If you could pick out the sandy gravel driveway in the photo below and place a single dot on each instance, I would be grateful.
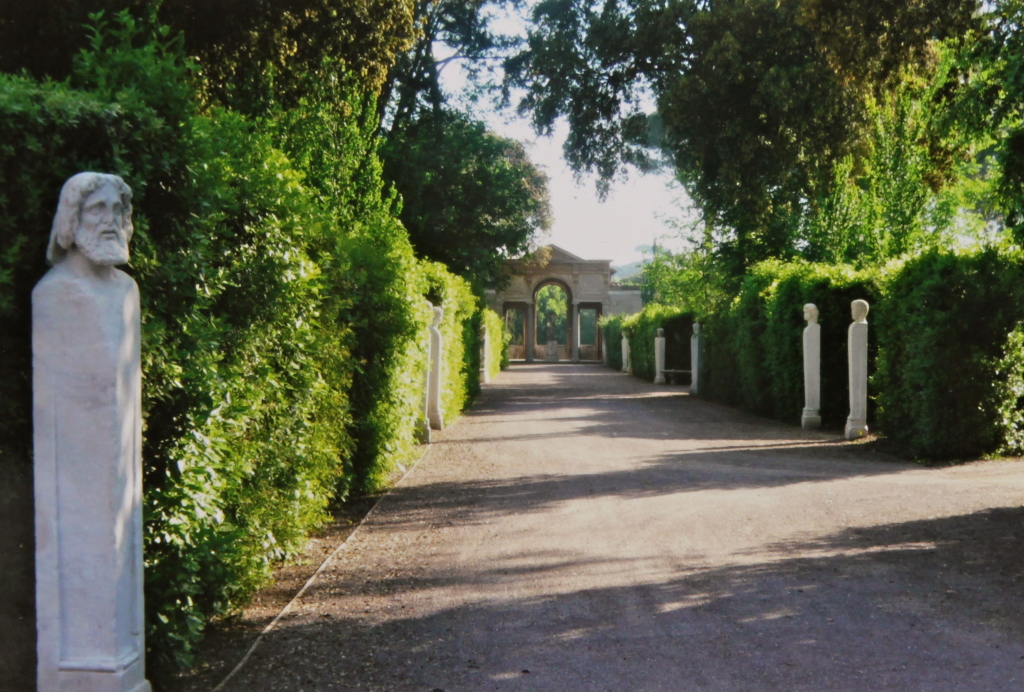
(583, 530)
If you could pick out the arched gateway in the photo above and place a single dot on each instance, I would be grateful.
(588, 287)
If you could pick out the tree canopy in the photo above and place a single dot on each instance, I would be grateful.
(753, 101)
(470, 197)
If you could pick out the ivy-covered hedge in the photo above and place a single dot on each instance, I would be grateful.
(612, 327)
(498, 340)
(754, 349)
(950, 371)
(642, 329)
(946, 352)
(284, 311)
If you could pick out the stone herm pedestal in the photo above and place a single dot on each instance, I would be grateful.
(811, 417)
(857, 344)
(485, 339)
(551, 351)
(696, 356)
(625, 353)
(87, 420)
(435, 413)
(659, 357)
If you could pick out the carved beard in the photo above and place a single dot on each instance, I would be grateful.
(102, 249)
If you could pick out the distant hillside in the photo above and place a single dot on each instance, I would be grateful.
(627, 270)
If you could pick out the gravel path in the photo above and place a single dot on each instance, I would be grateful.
(582, 530)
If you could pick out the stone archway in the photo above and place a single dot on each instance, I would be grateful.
(588, 286)
(570, 336)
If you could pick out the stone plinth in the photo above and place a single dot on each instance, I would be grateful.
(551, 351)
(87, 418)
(810, 419)
(659, 357)
(696, 355)
(435, 411)
(857, 350)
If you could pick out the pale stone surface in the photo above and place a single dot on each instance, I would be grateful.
(811, 417)
(88, 442)
(435, 413)
(659, 357)
(574, 331)
(857, 422)
(625, 353)
(485, 340)
(551, 351)
(696, 354)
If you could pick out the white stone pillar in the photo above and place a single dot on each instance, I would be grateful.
(857, 351)
(87, 418)
(696, 358)
(485, 340)
(811, 417)
(435, 412)
(625, 352)
(659, 357)
(530, 331)
(575, 322)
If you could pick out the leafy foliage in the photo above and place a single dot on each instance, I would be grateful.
(283, 308)
(470, 198)
(642, 328)
(949, 374)
(753, 349)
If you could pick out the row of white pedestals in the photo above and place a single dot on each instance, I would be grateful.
(857, 353)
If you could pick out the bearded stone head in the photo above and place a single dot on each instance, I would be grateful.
(94, 216)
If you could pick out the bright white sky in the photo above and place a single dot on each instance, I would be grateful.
(632, 215)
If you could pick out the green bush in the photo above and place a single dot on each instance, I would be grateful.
(283, 311)
(754, 349)
(611, 329)
(498, 339)
(950, 375)
(642, 328)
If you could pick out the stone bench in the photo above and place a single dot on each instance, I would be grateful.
(675, 376)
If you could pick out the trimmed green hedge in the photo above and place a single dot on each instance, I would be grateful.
(642, 329)
(284, 317)
(754, 349)
(950, 378)
(612, 328)
(498, 339)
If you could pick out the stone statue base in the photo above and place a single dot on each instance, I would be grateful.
(811, 419)
(856, 429)
(552, 352)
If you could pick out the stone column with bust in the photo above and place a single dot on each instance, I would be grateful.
(87, 421)
(485, 341)
(857, 345)
(696, 356)
(435, 379)
(659, 357)
(551, 349)
(811, 417)
(530, 331)
(574, 322)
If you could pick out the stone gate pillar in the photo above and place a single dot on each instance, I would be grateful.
(529, 331)
(87, 418)
(574, 314)
(659, 357)
(857, 352)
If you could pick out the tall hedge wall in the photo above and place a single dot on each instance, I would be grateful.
(949, 380)
(612, 328)
(283, 317)
(498, 340)
(642, 329)
(946, 348)
(754, 348)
